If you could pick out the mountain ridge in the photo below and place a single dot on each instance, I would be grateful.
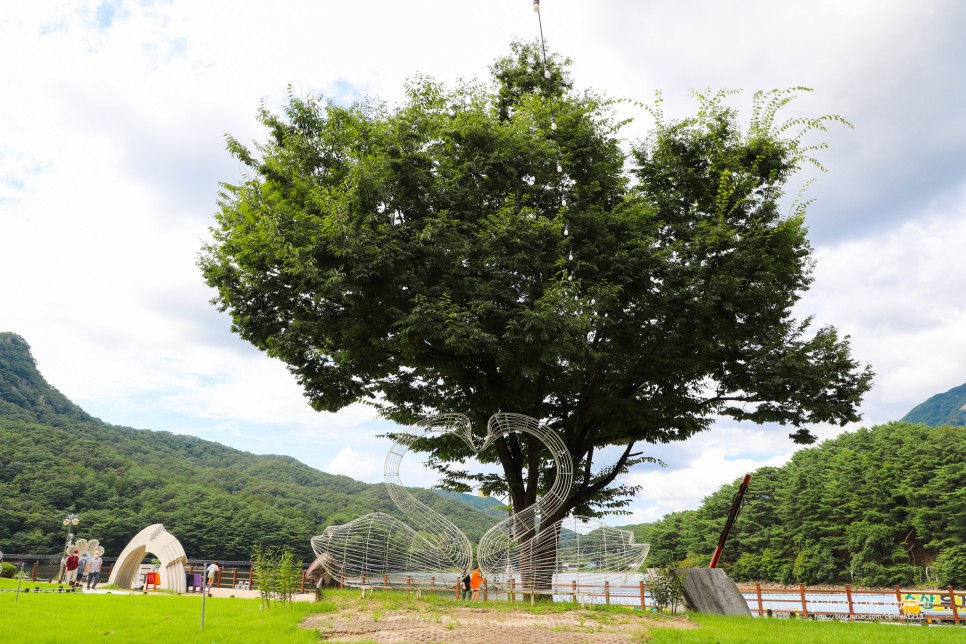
(219, 501)
(947, 408)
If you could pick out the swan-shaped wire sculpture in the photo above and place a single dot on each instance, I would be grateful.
(524, 553)
(521, 553)
(379, 549)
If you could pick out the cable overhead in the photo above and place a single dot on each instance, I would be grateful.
(548, 94)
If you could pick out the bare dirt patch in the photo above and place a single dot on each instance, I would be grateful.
(461, 625)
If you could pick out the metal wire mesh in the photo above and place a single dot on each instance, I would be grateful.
(525, 553)
(521, 553)
(379, 549)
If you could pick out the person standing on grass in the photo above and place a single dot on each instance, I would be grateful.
(94, 572)
(465, 582)
(70, 569)
(476, 581)
(210, 572)
(82, 562)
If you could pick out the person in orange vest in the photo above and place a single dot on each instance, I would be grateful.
(476, 581)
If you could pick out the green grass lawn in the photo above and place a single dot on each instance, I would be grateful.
(717, 628)
(156, 618)
(159, 618)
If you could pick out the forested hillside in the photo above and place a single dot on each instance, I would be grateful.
(873, 507)
(947, 408)
(218, 501)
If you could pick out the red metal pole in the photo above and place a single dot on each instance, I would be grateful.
(732, 515)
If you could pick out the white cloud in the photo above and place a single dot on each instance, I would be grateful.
(367, 466)
(703, 464)
(112, 148)
(899, 295)
(362, 466)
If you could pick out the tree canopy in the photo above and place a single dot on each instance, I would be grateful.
(478, 249)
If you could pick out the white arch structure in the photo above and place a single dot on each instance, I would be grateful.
(162, 544)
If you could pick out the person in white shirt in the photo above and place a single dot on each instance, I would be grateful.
(210, 573)
(94, 571)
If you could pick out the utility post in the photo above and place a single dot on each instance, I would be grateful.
(69, 521)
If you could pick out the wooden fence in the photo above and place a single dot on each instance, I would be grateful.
(845, 602)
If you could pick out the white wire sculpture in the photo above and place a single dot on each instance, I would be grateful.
(520, 554)
(523, 553)
(380, 550)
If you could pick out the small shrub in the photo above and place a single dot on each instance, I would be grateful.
(276, 574)
(7, 570)
(667, 588)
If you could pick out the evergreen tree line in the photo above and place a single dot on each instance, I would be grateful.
(874, 507)
(218, 501)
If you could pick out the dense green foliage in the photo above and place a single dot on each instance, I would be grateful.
(948, 408)
(951, 566)
(475, 250)
(874, 506)
(485, 504)
(7, 570)
(218, 501)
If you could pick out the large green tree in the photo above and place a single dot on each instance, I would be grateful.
(502, 248)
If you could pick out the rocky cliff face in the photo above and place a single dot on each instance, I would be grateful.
(24, 393)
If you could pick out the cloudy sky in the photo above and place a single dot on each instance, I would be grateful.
(112, 123)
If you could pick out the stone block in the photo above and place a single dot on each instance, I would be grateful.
(710, 590)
